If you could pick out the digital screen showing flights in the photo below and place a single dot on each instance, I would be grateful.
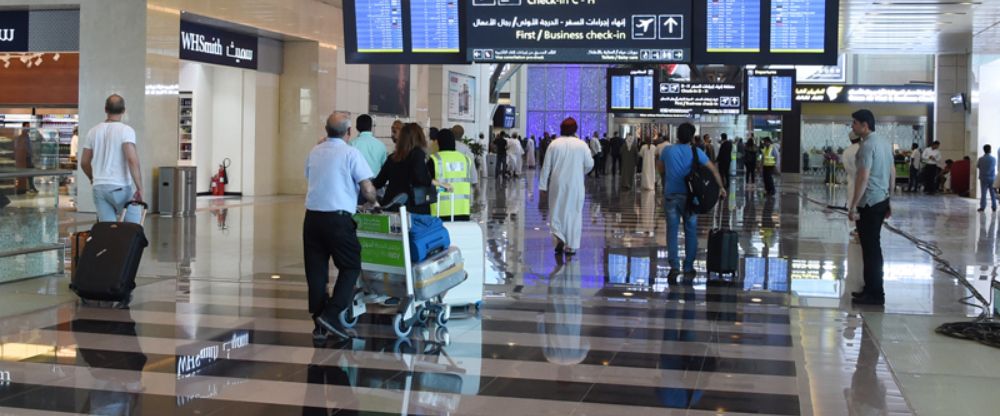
(642, 92)
(579, 31)
(434, 26)
(733, 26)
(379, 26)
(798, 26)
(770, 90)
(621, 92)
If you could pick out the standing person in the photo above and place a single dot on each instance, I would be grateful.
(24, 159)
(595, 150)
(850, 164)
(455, 169)
(675, 164)
(562, 183)
(514, 156)
(616, 154)
(406, 169)
(870, 207)
(987, 174)
(750, 162)
(336, 173)
(725, 159)
(529, 151)
(458, 132)
(708, 147)
(500, 148)
(629, 153)
(914, 168)
(931, 159)
(648, 153)
(769, 154)
(372, 149)
(543, 147)
(605, 154)
(111, 162)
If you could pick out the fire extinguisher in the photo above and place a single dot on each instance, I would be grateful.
(221, 178)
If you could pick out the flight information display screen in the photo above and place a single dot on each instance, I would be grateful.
(579, 31)
(733, 26)
(621, 92)
(404, 31)
(434, 25)
(642, 96)
(379, 26)
(770, 90)
(758, 93)
(798, 26)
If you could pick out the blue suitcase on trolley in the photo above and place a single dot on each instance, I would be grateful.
(427, 236)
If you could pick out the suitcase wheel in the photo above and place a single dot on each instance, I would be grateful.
(400, 326)
(443, 315)
(347, 319)
(423, 315)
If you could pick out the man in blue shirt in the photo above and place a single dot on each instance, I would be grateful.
(987, 174)
(676, 162)
(372, 149)
(336, 172)
(870, 206)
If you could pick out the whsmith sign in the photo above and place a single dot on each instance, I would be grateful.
(14, 31)
(216, 46)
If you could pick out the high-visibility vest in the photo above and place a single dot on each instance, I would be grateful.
(452, 167)
(769, 159)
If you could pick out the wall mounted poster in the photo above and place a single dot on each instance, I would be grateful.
(461, 97)
(389, 89)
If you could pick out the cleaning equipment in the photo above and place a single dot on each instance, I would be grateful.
(220, 179)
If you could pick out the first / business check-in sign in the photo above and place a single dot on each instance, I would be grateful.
(14, 31)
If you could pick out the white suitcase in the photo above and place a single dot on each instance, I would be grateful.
(468, 236)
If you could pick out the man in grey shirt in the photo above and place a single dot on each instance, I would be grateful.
(870, 205)
(987, 174)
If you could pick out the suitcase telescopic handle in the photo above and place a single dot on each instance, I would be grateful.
(142, 218)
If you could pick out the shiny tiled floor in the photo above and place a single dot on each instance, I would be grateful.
(212, 331)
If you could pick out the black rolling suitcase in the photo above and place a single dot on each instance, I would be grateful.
(723, 249)
(106, 268)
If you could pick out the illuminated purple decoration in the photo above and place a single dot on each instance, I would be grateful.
(558, 91)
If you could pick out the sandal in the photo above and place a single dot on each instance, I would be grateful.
(559, 246)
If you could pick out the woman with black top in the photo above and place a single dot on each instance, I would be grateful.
(750, 161)
(407, 168)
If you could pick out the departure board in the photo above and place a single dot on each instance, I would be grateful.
(621, 92)
(642, 92)
(782, 91)
(733, 26)
(798, 26)
(434, 26)
(379, 25)
(770, 90)
(758, 93)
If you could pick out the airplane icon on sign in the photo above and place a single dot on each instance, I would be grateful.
(644, 24)
(643, 27)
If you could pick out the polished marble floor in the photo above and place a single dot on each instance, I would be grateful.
(218, 325)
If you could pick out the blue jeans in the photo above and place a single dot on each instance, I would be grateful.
(110, 199)
(986, 187)
(676, 208)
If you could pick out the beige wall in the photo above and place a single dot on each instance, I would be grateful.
(949, 123)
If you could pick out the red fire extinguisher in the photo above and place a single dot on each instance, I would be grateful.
(220, 179)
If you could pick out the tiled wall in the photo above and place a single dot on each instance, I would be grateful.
(556, 92)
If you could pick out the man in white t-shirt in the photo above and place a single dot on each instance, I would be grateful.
(111, 163)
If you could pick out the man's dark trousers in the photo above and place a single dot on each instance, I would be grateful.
(870, 233)
(326, 235)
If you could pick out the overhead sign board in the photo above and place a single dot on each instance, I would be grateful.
(684, 99)
(873, 94)
(404, 31)
(769, 90)
(212, 45)
(578, 31)
(14, 31)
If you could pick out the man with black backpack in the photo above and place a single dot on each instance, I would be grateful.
(692, 185)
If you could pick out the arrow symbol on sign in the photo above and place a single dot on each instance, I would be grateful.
(671, 24)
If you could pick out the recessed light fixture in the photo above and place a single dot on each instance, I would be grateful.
(275, 276)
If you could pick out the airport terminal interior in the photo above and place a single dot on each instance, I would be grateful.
(229, 100)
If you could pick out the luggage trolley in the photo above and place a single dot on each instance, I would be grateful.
(388, 271)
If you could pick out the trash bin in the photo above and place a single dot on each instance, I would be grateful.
(177, 191)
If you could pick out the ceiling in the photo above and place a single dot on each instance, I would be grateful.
(915, 26)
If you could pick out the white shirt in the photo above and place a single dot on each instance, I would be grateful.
(850, 160)
(931, 156)
(106, 140)
(334, 171)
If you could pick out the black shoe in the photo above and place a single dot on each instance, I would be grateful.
(319, 334)
(672, 276)
(982, 209)
(869, 300)
(858, 294)
(332, 326)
